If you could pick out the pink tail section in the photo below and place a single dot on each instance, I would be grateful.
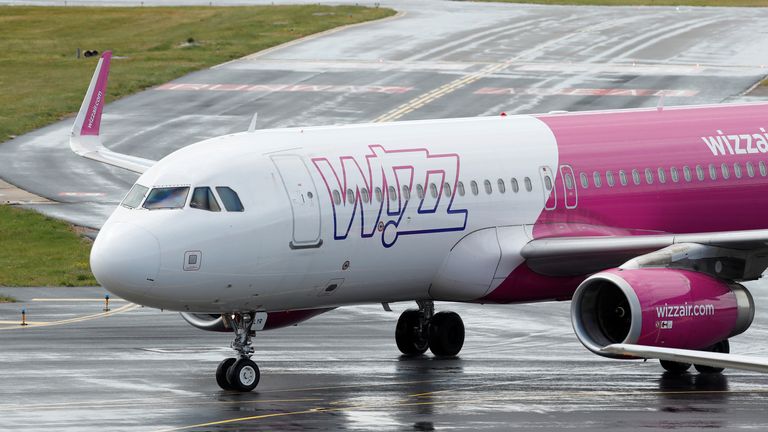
(92, 121)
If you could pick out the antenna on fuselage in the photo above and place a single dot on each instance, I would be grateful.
(660, 105)
(252, 126)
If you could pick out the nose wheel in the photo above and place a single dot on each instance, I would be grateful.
(421, 329)
(239, 374)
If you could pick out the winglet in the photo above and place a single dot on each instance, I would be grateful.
(85, 139)
(88, 120)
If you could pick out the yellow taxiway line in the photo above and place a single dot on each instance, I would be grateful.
(33, 324)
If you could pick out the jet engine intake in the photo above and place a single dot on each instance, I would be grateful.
(658, 307)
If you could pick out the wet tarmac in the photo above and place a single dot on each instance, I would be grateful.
(136, 369)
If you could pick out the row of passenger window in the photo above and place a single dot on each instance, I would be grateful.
(405, 191)
(176, 197)
(649, 176)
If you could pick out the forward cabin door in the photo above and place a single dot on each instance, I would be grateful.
(305, 204)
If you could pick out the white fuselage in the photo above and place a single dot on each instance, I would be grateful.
(327, 221)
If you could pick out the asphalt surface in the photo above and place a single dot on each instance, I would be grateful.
(521, 368)
(438, 59)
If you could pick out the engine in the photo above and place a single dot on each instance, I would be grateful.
(659, 307)
(206, 322)
(271, 320)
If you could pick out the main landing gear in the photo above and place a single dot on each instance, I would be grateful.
(679, 368)
(241, 373)
(422, 329)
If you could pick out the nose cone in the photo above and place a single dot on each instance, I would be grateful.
(125, 260)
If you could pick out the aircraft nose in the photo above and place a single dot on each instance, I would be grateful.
(125, 259)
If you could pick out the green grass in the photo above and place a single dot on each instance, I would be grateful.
(36, 250)
(7, 299)
(42, 81)
(723, 3)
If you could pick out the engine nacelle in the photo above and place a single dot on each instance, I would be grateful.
(209, 322)
(272, 320)
(658, 307)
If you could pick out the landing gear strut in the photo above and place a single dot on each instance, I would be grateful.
(417, 330)
(241, 373)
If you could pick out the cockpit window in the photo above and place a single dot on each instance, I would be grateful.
(166, 198)
(230, 199)
(203, 199)
(134, 197)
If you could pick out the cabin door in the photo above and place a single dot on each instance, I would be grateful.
(305, 204)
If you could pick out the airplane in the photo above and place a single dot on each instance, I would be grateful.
(648, 220)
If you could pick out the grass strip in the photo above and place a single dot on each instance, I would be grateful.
(7, 299)
(36, 250)
(43, 81)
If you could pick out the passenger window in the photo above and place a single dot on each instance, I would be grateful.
(203, 199)
(406, 193)
(635, 177)
(662, 175)
(420, 191)
(473, 186)
(609, 178)
(687, 173)
(501, 185)
(336, 197)
(737, 170)
(461, 188)
(699, 173)
(433, 190)
(726, 172)
(350, 196)
(648, 176)
(528, 184)
(515, 186)
(622, 178)
(166, 198)
(750, 169)
(377, 191)
(447, 190)
(488, 189)
(596, 177)
(230, 199)
(761, 165)
(548, 183)
(393, 193)
(712, 172)
(584, 180)
(675, 175)
(569, 181)
(135, 196)
(366, 195)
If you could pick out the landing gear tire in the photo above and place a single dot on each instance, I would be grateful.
(720, 347)
(221, 373)
(243, 375)
(446, 334)
(409, 335)
(675, 367)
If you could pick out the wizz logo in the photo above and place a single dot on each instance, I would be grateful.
(379, 190)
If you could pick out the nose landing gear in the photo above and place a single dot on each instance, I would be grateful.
(241, 373)
(417, 330)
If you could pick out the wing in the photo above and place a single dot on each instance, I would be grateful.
(742, 255)
(85, 139)
(690, 356)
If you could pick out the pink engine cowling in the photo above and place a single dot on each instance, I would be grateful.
(658, 307)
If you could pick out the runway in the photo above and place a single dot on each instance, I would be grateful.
(521, 368)
(79, 368)
(437, 59)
